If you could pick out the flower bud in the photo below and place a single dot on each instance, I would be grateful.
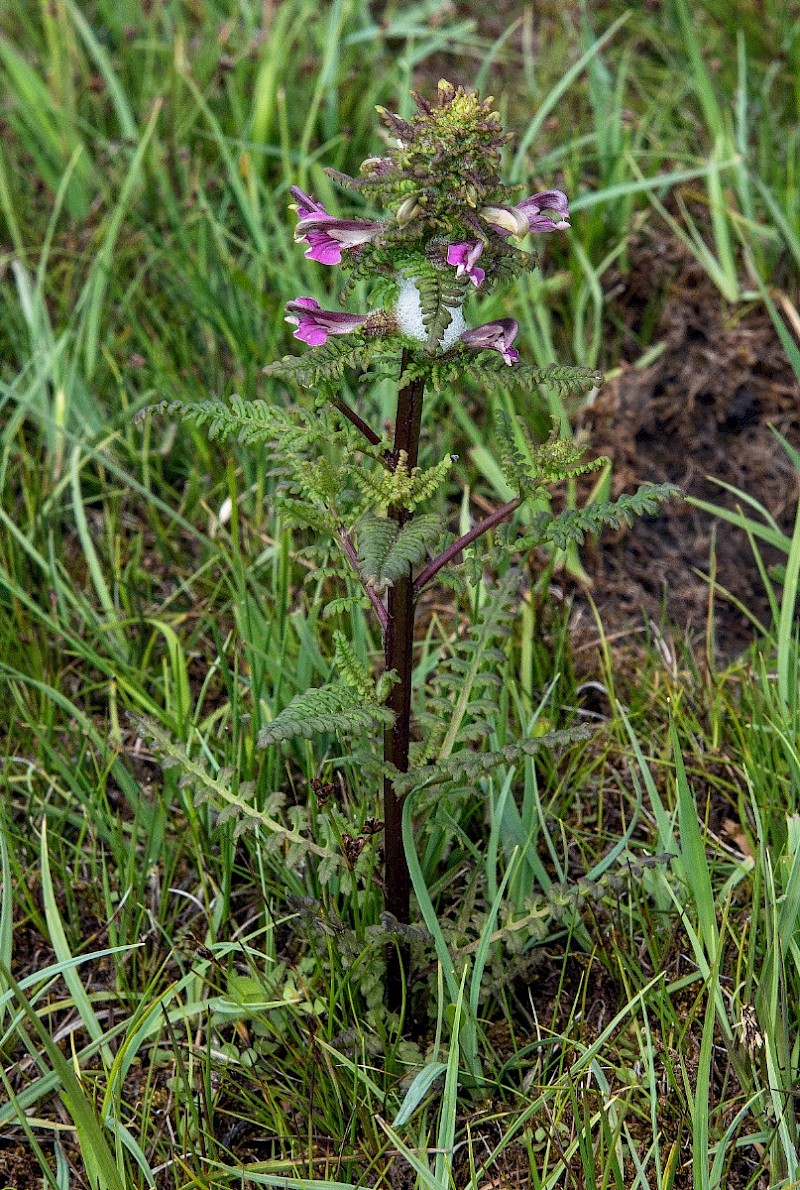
(506, 219)
(375, 167)
(409, 209)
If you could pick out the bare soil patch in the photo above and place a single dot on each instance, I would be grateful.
(704, 408)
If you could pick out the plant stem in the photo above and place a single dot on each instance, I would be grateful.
(398, 651)
(351, 415)
(349, 551)
(489, 522)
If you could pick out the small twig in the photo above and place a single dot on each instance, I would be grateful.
(489, 522)
(357, 421)
(349, 551)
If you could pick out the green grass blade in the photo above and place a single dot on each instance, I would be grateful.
(63, 954)
(243, 1174)
(94, 294)
(702, 1098)
(129, 1142)
(244, 202)
(787, 342)
(772, 537)
(485, 942)
(552, 99)
(6, 910)
(421, 1168)
(127, 123)
(783, 224)
(693, 855)
(24, 1123)
(703, 86)
(87, 544)
(425, 904)
(50, 136)
(787, 628)
(421, 1084)
(446, 1135)
(100, 1164)
(644, 185)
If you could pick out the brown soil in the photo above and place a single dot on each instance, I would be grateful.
(19, 1168)
(702, 409)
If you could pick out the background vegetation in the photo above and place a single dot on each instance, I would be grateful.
(612, 995)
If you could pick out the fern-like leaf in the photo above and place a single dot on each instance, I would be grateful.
(327, 363)
(574, 524)
(454, 693)
(252, 423)
(388, 550)
(440, 291)
(343, 604)
(490, 370)
(375, 537)
(404, 487)
(533, 467)
(303, 512)
(468, 766)
(564, 378)
(353, 670)
(411, 546)
(216, 789)
(558, 459)
(336, 707)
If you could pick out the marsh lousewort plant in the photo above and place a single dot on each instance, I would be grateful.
(449, 230)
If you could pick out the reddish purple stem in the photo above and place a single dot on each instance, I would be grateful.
(452, 551)
(351, 415)
(349, 551)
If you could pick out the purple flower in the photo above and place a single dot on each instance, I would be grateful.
(464, 256)
(495, 336)
(528, 215)
(315, 324)
(306, 206)
(328, 236)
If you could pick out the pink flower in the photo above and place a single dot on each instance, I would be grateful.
(464, 256)
(495, 336)
(328, 236)
(528, 215)
(306, 206)
(315, 324)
